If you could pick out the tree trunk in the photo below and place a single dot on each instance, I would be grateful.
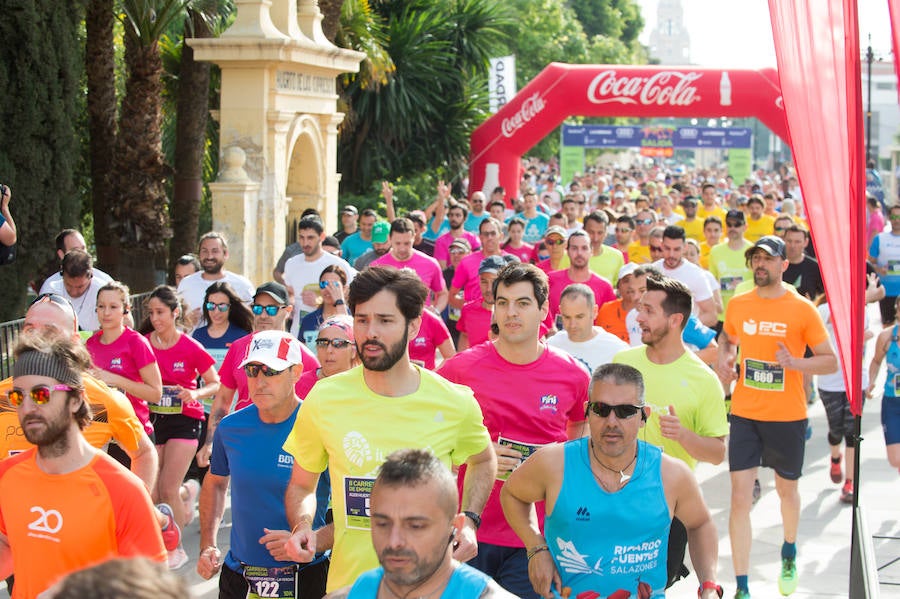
(331, 17)
(140, 215)
(99, 62)
(190, 146)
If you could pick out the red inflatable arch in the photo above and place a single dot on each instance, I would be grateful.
(563, 90)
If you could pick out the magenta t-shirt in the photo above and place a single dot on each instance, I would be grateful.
(125, 356)
(531, 404)
(466, 277)
(181, 364)
(425, 266)
(559, 280)
(442, 245)
(231, 375)
(475, 321)
(524, 253)
(431, 334)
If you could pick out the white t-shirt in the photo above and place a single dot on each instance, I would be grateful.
(85, 305)
(193, 287)
(99, 275)
(835, 381)
(298, 273)
(593, 352)
(691, 275)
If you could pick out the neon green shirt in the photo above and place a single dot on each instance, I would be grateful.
(606, 265)
(729, 267)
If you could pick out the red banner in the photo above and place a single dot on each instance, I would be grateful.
(820, 82)
(563, 90)
(894, 9)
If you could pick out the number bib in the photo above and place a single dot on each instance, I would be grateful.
(271, 583)
(169, 403)
(897, 385)
(357, 494)
(763, 376)
(526, 449)
(730, 283)
(893, 267)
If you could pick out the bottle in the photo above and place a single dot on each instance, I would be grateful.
(491, 178)
(725, 90)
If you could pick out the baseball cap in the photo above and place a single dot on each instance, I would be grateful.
(627, 270)
(276, 349)
(555, 229)
(735, 215)
(462, 243)
(274, 290)
(689, 200)
(380, 232)
(772, 245)
(349, 209)
(491, 264)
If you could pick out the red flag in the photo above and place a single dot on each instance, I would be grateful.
(817, 48)
(894, 9)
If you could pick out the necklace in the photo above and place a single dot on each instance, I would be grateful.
(165, 344)
(623, 478)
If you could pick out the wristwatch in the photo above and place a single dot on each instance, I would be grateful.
(338, 303)
(474, 518)
(709, 584)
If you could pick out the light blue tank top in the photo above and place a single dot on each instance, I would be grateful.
(605, 542)
(465, 583)
(892, 357)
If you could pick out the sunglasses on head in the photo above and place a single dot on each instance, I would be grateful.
(335, 343)
(223, 307)
(253, 370)
(270, 310)
(40, 394)
(623, 411)
(53, 298)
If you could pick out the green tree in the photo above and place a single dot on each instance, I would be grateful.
(40, 69)
(619, 19)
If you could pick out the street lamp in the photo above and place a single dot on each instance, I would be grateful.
(870, 57)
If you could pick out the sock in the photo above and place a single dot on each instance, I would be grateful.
(742, 582)
(788, 550)
(836, 460)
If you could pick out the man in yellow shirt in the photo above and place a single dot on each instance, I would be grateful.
(759, 224)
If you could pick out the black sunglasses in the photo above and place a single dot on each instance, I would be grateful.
(253, 370)
(270, 310)
(623, 411)
(54, 298)
(335, 343)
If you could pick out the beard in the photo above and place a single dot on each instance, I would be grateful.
(388, 359)
(53, 439)
(422, 568)
(212, 267)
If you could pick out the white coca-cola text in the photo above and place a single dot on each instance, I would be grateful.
(664, 88)
(529, 109)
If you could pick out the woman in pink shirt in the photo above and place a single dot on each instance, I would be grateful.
(176, 419)
(123, 357)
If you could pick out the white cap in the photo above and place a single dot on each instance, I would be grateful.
(276, 349)
(627, 270)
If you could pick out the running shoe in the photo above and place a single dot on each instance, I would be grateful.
(742, 594)
(171, 533)
(787, 582)
(192, 490)
(847, 492)
(178, 558)
(757, 491)
(837, 473)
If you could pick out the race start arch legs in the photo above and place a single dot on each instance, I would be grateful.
(564, 90)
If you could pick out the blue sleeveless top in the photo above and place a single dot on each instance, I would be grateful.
(892, 357)
(465, 583)
(605, 542)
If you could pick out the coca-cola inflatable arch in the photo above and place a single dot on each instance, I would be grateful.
(563, 90)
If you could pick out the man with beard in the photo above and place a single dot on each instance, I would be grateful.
(773, 325)
(674, 265)
(414, 510)
(456, 216)
(213, 254)
(81, 506)
(531, 395)
(351, 421)
(301, 273)
(578, 251)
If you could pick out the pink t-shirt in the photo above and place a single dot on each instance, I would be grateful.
(875, 224)
(181, 364)
(523, 253)
(125, 356)
(475, 321)
(465, 276)
(531, 404)
(306, 382)
(442, 245)
(431, 334)
(231, 375)
(425, 266)
(559, 280)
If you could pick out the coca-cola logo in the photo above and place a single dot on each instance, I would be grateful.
(529, 109)
(666, 88)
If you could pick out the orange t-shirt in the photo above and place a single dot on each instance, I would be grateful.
(59, 523)
(113, 418)
(765, 391)
(611, 317)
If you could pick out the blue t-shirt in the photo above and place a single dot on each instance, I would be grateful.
(885, 248)
(429, 232)
(473, 222)
(249, 451)
(534, 227)
(353, 247)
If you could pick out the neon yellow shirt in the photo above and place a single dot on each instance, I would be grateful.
(606, 265)
(729, 267)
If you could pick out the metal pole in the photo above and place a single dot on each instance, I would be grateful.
(869, 58)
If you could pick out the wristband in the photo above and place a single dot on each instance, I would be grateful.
(304, 519)
(475, 518)
(535, 550)
(709, 584)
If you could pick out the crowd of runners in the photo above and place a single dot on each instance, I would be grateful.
(500, 394)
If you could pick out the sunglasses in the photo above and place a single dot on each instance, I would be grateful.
(656, 248)
(223, 307)
(324, 284)
(270, 310)
(557, 242)
(894, 217)
(253, 370)
(623, 411)
(645, 221)
(335, 343)
(39, 394)
(777, 229)
(53, 298)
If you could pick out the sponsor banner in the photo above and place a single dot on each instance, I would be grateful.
(613, 136)
(502, 81)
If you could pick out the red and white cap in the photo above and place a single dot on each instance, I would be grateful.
(276, 349)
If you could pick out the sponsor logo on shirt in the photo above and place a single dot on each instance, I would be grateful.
(285, 460)
(582, 514)
(419, 341)
(549, 402)
(766, 328)
(178, 367)
(116, 363)
(47, 524)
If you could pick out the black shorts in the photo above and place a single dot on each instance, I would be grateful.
(310, 582)
(776, 445)
(888, 311)
(174, 426)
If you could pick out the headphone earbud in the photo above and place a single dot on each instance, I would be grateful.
(643, 415)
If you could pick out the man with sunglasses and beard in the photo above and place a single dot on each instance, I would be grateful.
(81, 506)
(247, 452)
(610, 498)
(352, 421)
